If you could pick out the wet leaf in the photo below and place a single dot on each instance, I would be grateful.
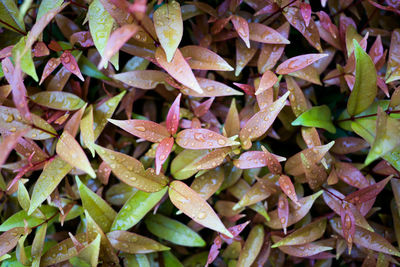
(264, 34)
(9, 239)
(202, 139)
(346, 145)
(17, 219)
(288, 188)
(143, 79)
(58, 100)
(169, 27)
(190, 203)
(268, 79)
(48, 180)
(69, 62)
(173, 231)
(208, 183)
(255, 159)
(364, 90)
(69, 150)
(86, 126)
(393, 70)
(351, 175)
(318, 116)
(173, 116)
(38, 243)
(367, 193)
(9, 13)
(242, 28)
(179, 69)
(243, 56)
(252, 246)
(304, 235)
(90, 253)
(297, 63)
(305, 250)
(144, 129)
(254, 128)
(51, 65)
(9, 142)
(135, 208)
(261, 190)
(24, 57)
(201, 58)
(162, 152)
(23, 196)
(181, 164)
(211, 88)
(213, 159)
(131, 171)
(133, 243)
(97, 207)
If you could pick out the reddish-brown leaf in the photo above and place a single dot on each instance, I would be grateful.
(351, 175)
(367, 193)
(305, 10)
(255, 159)
(242, 28)
(69, 62)
(147, 130)
(298, 63)
(264, 34)
(283, 211)
(83, 38)
(8, 143)
(268, 79)
(162, 152)
(51, 65)
(345, 145)
(202, 139)
(172, 120)
(201, 58)
(40, 50)
(288, 188)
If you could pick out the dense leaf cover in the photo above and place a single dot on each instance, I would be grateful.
(201, 133)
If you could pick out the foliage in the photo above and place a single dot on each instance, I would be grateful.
(208, 132)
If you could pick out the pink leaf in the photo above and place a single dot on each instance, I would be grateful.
(297, 63)
(83, 38)
(202, 139)
(162, 152)
(367, 193)
(288, 188)
(305, 10)
(264, 34)
(173, 116)
(348, 223)
(40, 50)
(69, 62)
(8, 143)
(351, 175)
(283, 211)
(203, 108)
(51, 65)
(268, 79)
(242, 28)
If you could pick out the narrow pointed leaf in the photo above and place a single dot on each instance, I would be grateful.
(173, 116)
(38, 243)
(211, 88)
(208, 183)
(142, 79)
(268, 79)
(133, 243)
(252, 246)
(69, 62)
(190, 203)
(9, 239)
(8, 143)
(201, 58)
(147, 130)
(254, 159)
(242, 28)
(58, 100)
(51, 65)
(288, 188)
(162, 152)
(202, 139)
(24, 57)
(367, 193)
(393, 70)
(297, 63)
(264, 34)
(86, 126)
(131, 171)
(23, 196)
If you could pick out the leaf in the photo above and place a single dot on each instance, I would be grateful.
(264, 34)
(181, 164)
(69, 150)
(254, 128)
(173, 231)
(254, 159)
(268, 79)
(201, 58)
(252, 246)
(90, 253)
(173, 116)
(243, 56)
(288, 188)
(9, 13)
(117, 39)
(100, 26)
(296, 212)
(69, 62)
(86, 126)
(162, 152)
(144, 129)
(242, 28)
(143, 79)
(23, 196)
(213, 159)
(393, 70)
(17, 219)
(208, 183)
(171, 260)
(24, 57)
(367, 239)
(386, 138)
(97, 207)
(318, 116)
(135, 208)
(304, 235)
(202, 139)
(169, 27)
(351, 175)
(133, 243)
(190, 203)
(131, 171)
(38, 243)
(348, 223)
(364, 90)
(103, 112)
(297, 63)
(9, 239)
(51, 65)
(346, 145)
(306, 250)
(48, 181)
(310, 32)
(297, 98)
(9, 142)
(367, 193)
(211, 88)
(46, 6)
(89, 69)
(58, 100)
(305, 10)
(261, 190)
(283, 212)
(179, 69)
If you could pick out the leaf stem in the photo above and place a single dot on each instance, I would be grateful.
(353, 118)
(12, 27)
(278, 11)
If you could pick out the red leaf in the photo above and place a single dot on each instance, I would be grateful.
(51, 65)
(351, 175)
(268, 79)
(248, 89)
(345, 145)
(162, 152)
(348, 223)
(40, 50)
(69, 62)
(288, 188)
(173, 116)
(14, 78)
(203, 108)
(8, 143)
(283, 211)
(297, 63)
(242, 28)
(367, 193)
(264, 34)
(147, 130)
(305, 10)
(83, 38)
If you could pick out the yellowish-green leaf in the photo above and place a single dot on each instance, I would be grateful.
(51, 176)
(169, 27)
(58, 100)
(23, 196)
(46, 6)
(90, 253)
(364, 90)
(9, 13)
(38, 243)
(194, 206)
(25, 58)
(69, 150)
(87, 132)
(252, 246)
(319, 116)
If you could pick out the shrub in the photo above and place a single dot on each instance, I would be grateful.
(199, 133)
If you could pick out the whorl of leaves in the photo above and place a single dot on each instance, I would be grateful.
(194, 133)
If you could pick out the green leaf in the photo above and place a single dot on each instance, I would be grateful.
(97, 207)
(180, 165)
(9, 13)
(131, 171)
(137, 260)
(46, 6)
(90, 253)
(58, 100)
(25, 57)
(38, 244)
(136, 208)
(319, 117)
(23, 196)
(17, 219)
(173, 231)
(100, 26)
(170, 260)
(51, 176)
(169, 27)
(364, 90)
(133, 243)
(88, 68)
(103, 112)
(252, 246)
(87, 132)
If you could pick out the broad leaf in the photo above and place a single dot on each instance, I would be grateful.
(9, 13)
(9, 239)
(318, 116)
(201, 58)
(70, 63)
(242, 28)
(393, 70)
(24, 57)
(58, 100)
(268, 79)
(264, 34)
